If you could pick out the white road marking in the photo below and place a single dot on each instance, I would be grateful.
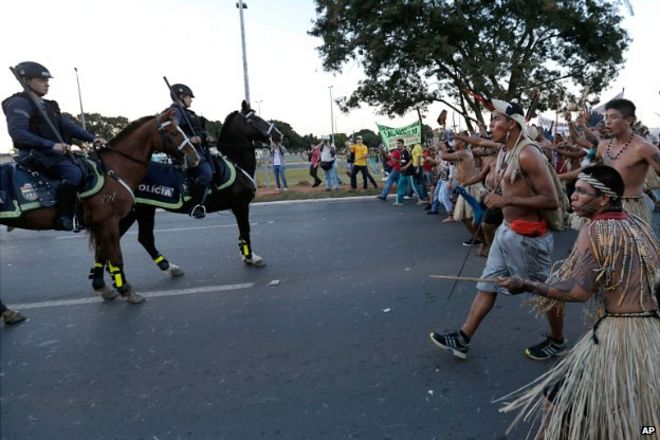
(97, 299)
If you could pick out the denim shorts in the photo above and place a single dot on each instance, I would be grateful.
(515, 254)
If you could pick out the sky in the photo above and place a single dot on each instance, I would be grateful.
(122, 49)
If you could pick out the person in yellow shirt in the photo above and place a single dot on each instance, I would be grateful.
(417, 153)
(360, 152)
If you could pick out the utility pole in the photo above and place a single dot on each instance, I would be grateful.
(332, 118)
(240, 5)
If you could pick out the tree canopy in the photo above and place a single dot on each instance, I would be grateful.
(415, 52)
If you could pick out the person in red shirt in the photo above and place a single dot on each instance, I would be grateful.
(394, 160)
(315, 158)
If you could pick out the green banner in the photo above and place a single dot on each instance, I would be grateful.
(411, 134)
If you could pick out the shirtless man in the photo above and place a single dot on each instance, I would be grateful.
(465, 169)
(630, 154)
(488, 176)
(523, 243)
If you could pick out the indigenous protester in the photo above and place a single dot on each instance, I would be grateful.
(465, 169)
(607, 386)
(315, 159)
(192, 125)
(277, 152)
(360, 153)
(523, 243)
(629, 153)
(10, 316)
(328, 154)
(394, 162)
(36, 141)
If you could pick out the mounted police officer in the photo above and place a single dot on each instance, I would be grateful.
(33, 136)
(193, 126)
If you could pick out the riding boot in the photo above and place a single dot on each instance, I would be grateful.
(66, 202)
(199, 194)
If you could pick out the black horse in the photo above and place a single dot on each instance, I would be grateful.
(235, 141)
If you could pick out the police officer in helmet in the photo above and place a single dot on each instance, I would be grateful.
(203, 173)
(33, 136)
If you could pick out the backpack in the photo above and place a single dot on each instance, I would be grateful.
(557, 219)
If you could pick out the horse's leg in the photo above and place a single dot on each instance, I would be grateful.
(242, 214)
(146, 218)
(100, 262)
(107, 241)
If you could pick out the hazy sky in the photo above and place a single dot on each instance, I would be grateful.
(123, 48)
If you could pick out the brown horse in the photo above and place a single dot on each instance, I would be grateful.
(124, 160)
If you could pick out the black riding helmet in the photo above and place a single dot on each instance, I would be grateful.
(30, 69)
(181, 90)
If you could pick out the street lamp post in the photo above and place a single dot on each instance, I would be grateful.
(259, 106)
(240, 5)
(332, 118)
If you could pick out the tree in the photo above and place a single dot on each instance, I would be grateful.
(290, 138)
(505, 49)
(106, 127)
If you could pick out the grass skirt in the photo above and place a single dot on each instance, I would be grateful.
(638, 207)
(609, 391)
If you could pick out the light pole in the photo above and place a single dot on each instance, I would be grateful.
(332, 118)
(240, 5)
(259, 106)
(82, 113)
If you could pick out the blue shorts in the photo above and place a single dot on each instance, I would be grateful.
(515, 254)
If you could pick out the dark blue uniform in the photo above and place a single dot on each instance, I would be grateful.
(203, 173)
(30, 132)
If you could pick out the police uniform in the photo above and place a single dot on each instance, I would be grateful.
(203, 173)
(32, 136)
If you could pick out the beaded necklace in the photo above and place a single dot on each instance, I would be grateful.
(625, 146)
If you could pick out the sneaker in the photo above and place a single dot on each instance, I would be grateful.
(472, 242)
(381, 197)
(452, 341)
(547, 349)
(12, 317)
(407, 198)
(427, 207)
(422, 202)
(397, 204)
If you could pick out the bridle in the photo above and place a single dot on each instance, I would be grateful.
(185, 143)
(271, 127)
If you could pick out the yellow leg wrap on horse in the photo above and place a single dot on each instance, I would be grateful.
(117, 275)
(158, 259)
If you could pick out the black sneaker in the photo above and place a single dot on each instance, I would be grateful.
(472, 242)
(547, 349)
(452, 341)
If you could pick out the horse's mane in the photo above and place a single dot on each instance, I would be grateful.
(130, 128)
(228, 120)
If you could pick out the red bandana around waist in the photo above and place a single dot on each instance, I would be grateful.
(529, 228)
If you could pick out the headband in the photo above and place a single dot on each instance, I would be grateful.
(598, 185)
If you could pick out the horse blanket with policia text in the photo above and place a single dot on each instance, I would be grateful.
(22, 189)
(167, 187)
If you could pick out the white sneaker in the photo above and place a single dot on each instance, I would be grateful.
(407, 198)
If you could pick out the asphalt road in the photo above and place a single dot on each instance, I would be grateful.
(336, 348)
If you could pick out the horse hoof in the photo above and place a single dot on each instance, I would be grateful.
(175, 271)
(134, 298)
(107, 293)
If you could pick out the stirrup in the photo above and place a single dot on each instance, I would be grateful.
(192, 211)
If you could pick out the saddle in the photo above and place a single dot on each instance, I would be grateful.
(167, 186)
(23, 189)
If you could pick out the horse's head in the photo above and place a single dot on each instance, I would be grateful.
(173, 141)
(258, 129)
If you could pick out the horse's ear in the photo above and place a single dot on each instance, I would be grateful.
(169, 113)
(245, 106)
